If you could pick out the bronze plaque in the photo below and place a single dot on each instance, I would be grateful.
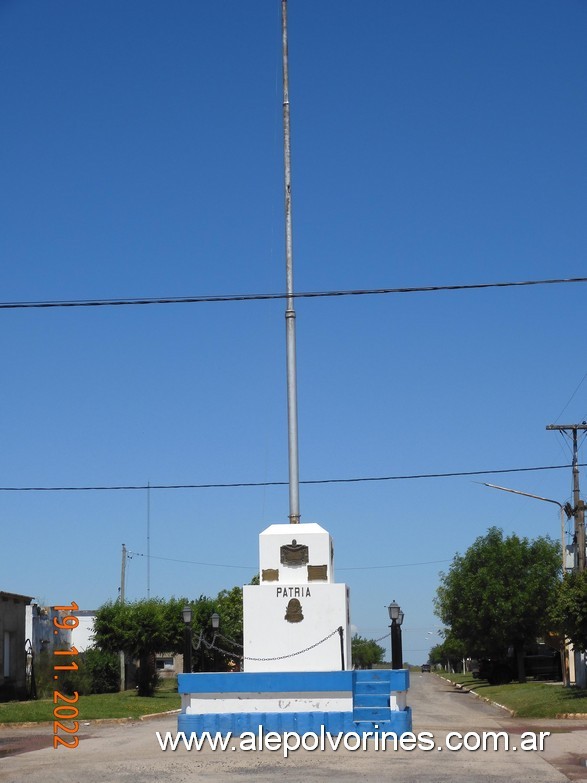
(270, 575)
(317, 573)
(294, 554)
(293, 613)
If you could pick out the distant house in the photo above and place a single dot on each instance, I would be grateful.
(45, 636)
(168, 664)
(82, 636)
(42, 632)
(13, 658)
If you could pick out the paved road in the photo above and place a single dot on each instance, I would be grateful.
(125, 753)
(438, 705)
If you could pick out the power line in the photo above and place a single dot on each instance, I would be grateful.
(395, 565)
(191, 562)
(132, 554)
(571, 397)
(127, 302)
(354, 480)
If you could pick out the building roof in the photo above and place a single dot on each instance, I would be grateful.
(15, 597)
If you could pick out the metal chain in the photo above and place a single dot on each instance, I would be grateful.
(276, 658)
(201, 640)
(231, 641)
(212, 646)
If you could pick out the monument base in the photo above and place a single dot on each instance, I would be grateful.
(361, 701)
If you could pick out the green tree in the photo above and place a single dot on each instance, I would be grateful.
(570, 608)
(448, 654)
(217, 650)
(229, 605)
(103, 668)
(499, 593)
(97, 672)
(141, 629)
(366, 652)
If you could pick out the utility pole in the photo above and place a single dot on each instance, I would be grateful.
(578, 504)
(579, 537)
(123, 574)
(122, 589)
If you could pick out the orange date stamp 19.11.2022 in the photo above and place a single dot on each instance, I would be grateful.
(64, 712)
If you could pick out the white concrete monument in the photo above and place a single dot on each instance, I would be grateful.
(297, 654)
(297, 619)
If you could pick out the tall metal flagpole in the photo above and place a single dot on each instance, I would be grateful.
(290, 315)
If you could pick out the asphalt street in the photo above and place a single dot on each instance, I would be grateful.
(125, 752)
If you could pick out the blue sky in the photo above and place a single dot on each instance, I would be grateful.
(433, 143)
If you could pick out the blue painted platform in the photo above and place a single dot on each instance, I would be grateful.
(368, 691)
(300, 682)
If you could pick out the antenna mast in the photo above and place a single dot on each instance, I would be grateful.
(290, 315)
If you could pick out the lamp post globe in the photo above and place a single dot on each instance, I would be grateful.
(397, 617)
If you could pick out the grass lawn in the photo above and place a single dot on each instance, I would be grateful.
(533, 699)
(102, 705)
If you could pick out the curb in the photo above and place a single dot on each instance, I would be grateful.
(159, 714)
(459, 686)
(512, 713)
(91, 721)
(571, 715)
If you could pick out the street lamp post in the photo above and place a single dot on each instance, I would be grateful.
(397, 617)
(565, 511)
(187, 639)
(215, 622)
